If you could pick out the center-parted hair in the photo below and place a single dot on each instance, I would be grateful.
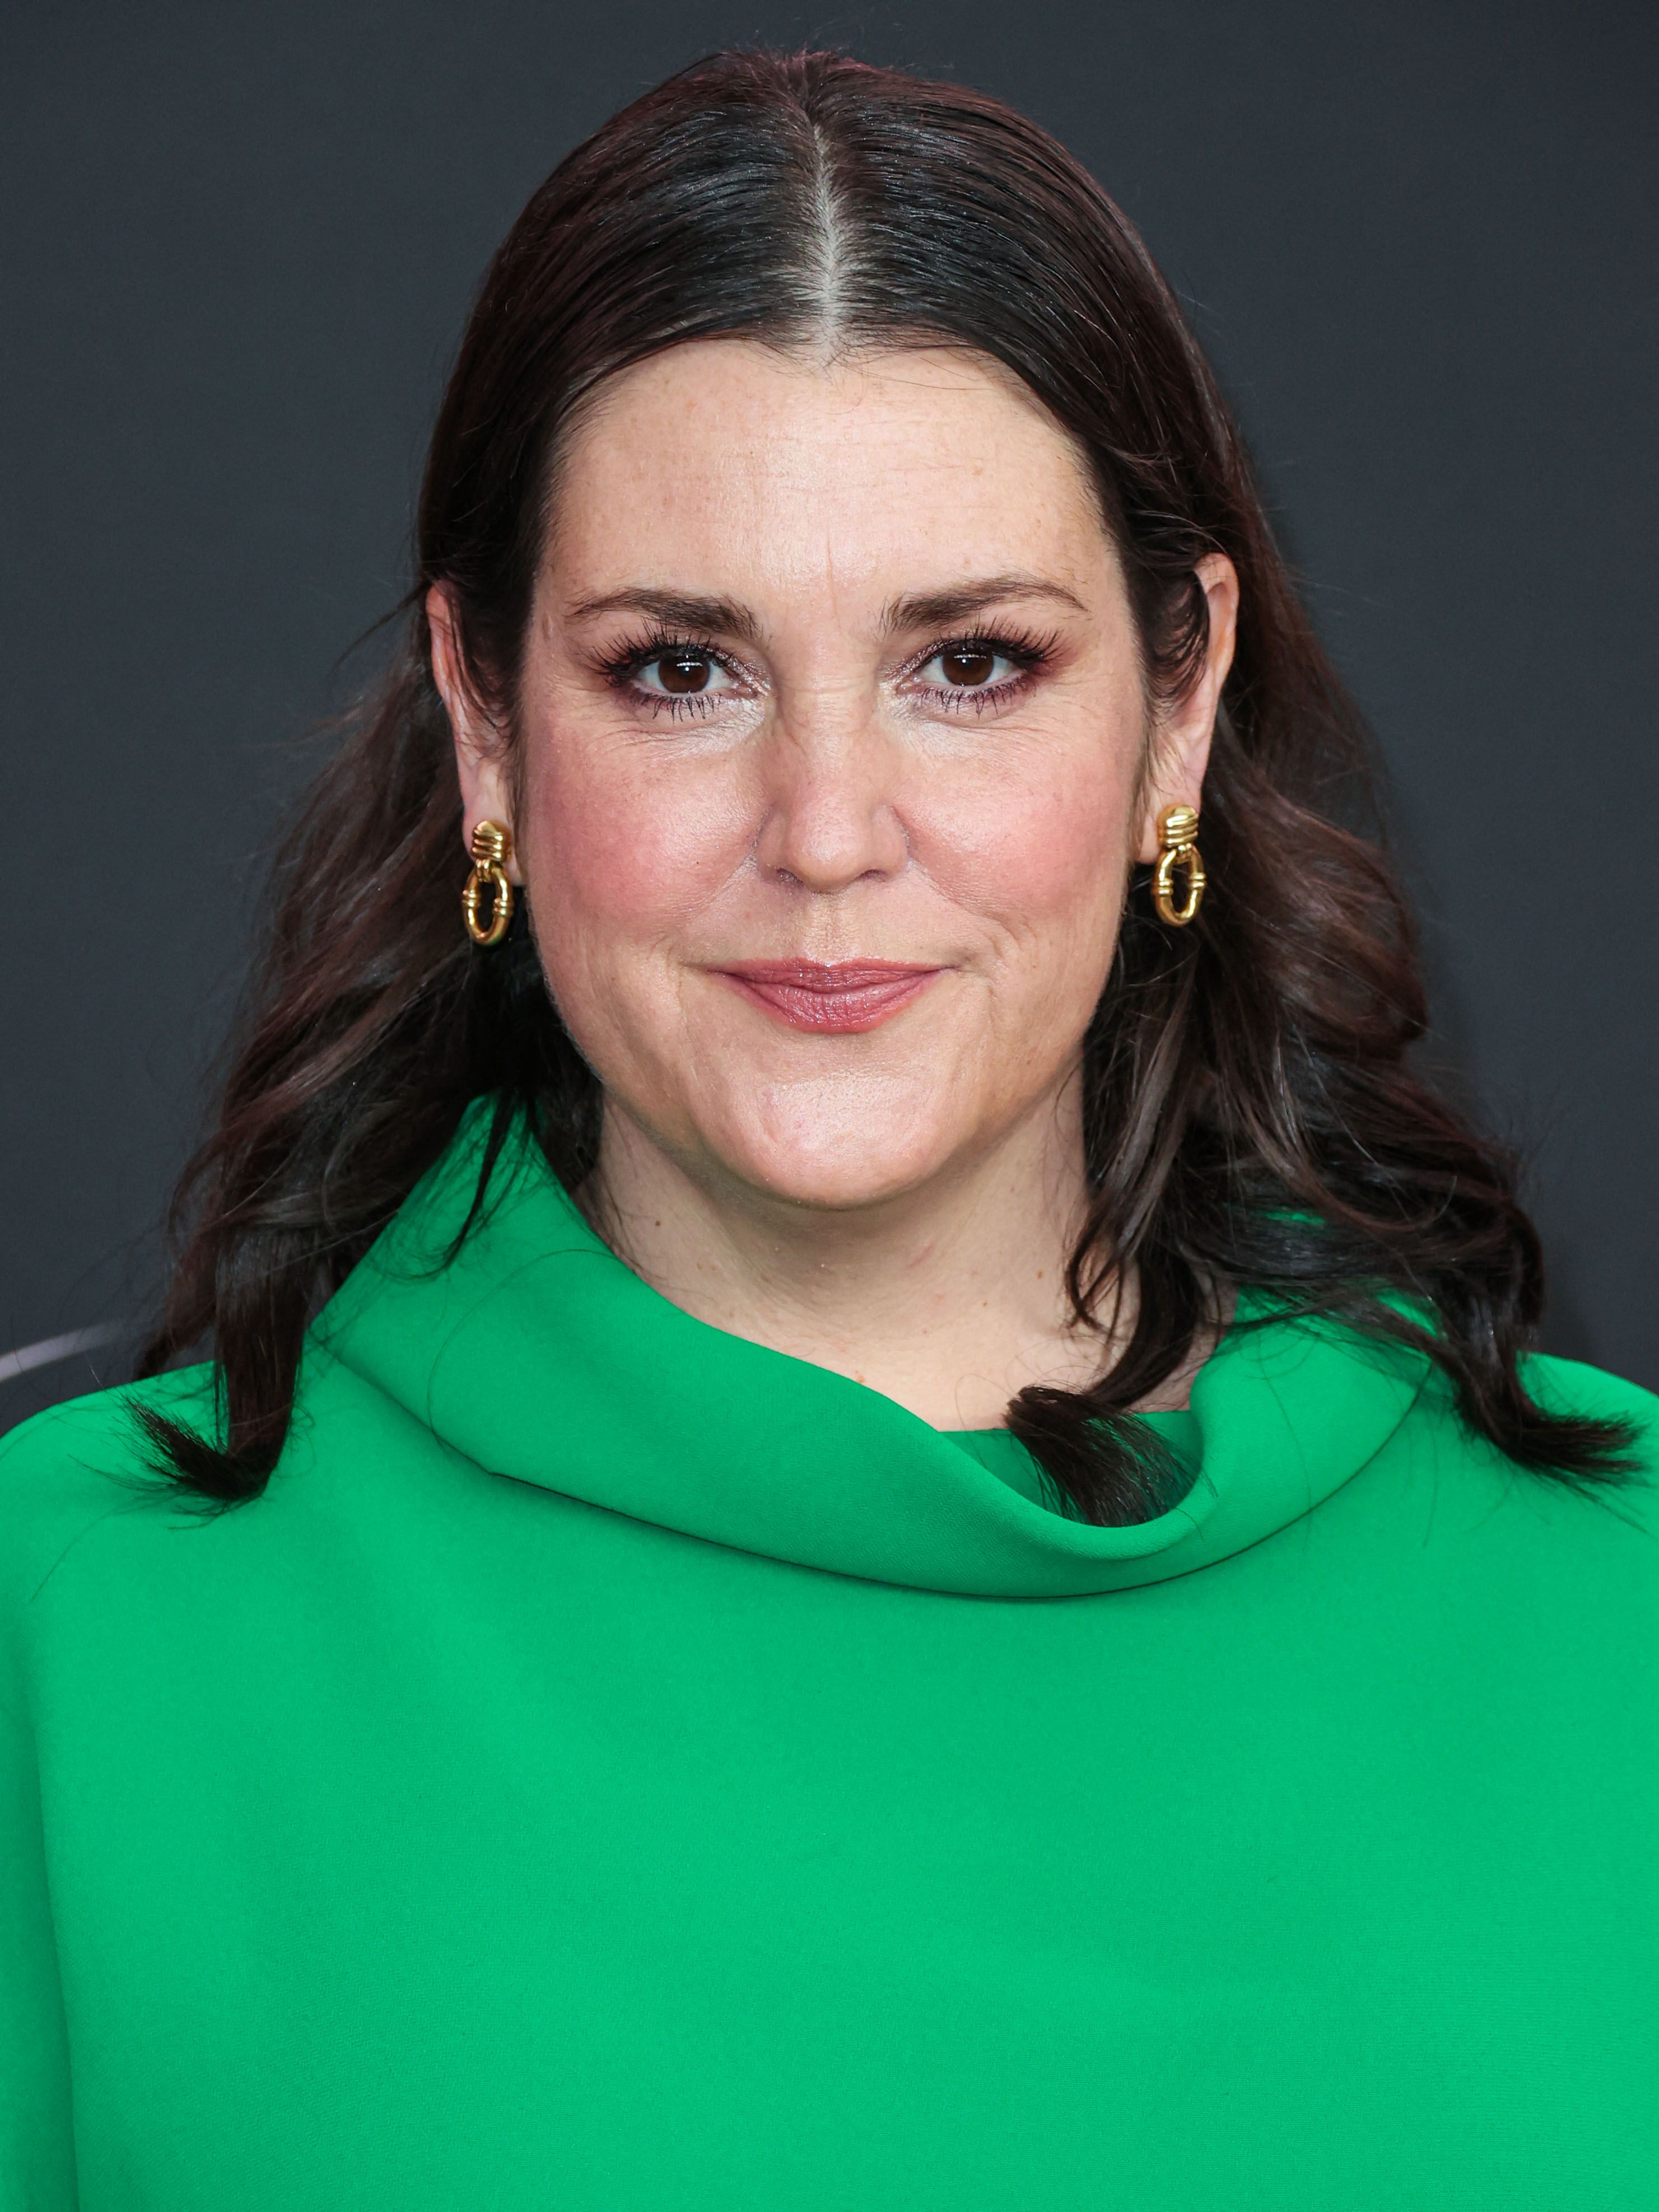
(1252, 1116)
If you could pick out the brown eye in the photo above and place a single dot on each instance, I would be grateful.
(680, 672)
(692, 673)
(968, 663)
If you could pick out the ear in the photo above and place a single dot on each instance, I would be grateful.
(1181, 740)
(480, 745)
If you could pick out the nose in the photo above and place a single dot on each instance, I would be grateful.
(831, 818)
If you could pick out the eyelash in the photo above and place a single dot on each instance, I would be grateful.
(622, 668)
(1028, 654)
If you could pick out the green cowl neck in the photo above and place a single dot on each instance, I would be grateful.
(539, 1355)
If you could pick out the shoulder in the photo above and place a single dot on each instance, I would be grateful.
(1472, 1484)
(1445, 1523)
(66, 1468)
(1569, 1387)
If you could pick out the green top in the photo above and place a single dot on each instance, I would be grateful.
(619, 1768)
(1009, 1460)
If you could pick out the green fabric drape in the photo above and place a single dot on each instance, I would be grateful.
(616, 1766)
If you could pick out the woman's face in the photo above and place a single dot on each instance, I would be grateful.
(836, 755)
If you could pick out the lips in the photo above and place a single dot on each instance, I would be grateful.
(839, 1000)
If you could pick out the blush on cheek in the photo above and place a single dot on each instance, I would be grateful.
(627, 851)
(1031, 850)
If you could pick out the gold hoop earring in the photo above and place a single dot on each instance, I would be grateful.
(492, 847)
(1177, 834)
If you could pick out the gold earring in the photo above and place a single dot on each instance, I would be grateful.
(492, 847)
(1177, 834)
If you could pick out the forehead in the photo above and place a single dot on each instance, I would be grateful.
(877, 466)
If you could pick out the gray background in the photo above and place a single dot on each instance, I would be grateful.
(240, 243)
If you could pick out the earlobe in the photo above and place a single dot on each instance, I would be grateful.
(1183, 754)
(480, 757)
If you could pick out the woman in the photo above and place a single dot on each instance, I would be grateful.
(868, 1525)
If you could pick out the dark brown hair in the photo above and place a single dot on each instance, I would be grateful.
(1251, 1114)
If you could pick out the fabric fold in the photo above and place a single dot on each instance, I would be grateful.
(537, 1353)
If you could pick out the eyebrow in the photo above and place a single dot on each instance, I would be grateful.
(676, 610)
(914, 610)
(940, 610)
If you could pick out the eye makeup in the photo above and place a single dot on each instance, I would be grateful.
(687, 669)
(680, 674)
(961, 687)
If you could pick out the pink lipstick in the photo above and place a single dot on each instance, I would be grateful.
(838, 1000)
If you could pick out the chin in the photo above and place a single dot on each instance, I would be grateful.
(831, 1186)
(854, 1155)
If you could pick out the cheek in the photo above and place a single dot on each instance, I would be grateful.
(620, 847)
(1043, 849)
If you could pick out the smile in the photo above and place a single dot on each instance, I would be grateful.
(837, 1000)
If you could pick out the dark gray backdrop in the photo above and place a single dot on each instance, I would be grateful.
(240, 243)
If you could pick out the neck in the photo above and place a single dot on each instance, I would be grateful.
(949, 1299)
